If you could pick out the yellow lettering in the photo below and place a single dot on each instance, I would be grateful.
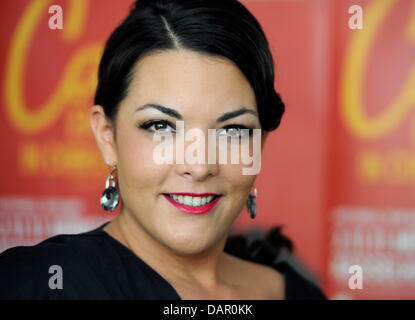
(69, 88)
(394, 166)
(58, 159)
(357, 57)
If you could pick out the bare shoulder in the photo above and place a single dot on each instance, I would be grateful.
(268, 281)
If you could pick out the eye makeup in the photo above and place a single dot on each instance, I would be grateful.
(161, 125)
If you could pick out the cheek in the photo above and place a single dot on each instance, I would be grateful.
(239, 183)
(136, 165)
(238, 188)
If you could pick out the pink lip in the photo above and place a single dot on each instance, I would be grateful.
(194, 210)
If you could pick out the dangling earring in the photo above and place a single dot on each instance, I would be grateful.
(110, 197)
(251, 203)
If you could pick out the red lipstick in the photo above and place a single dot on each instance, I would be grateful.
(194, 210)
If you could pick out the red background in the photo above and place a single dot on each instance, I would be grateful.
(342, 197)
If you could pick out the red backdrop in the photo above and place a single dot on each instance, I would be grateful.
(339, 173)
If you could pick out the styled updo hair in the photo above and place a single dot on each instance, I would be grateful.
(217, 28)
(223, 28)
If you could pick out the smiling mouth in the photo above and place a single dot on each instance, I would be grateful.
(193, 201)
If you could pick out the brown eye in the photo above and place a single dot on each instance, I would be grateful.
(158, 126)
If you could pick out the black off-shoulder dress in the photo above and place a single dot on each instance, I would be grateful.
(95, 266)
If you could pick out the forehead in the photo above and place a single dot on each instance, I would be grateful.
(186, 78)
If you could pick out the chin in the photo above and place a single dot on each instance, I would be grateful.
(188, 244)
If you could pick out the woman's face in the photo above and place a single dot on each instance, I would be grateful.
(200, 89)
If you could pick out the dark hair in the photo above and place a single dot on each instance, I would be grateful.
(264, 249)
(222, 28)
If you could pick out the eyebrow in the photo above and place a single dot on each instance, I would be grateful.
(173, 113)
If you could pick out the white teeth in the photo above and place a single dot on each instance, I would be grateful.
(187, 200)
(192, 201)
(196, 201)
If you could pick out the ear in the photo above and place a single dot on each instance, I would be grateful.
(103, 130)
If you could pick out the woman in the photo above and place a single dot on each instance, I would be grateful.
(206, 63)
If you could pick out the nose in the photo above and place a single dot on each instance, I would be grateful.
(197, 172)
(194, 168)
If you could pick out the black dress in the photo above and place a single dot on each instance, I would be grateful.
(95, 265)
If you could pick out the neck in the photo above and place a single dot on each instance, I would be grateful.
(205, 269)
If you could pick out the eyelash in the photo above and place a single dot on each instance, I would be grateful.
(147, 125)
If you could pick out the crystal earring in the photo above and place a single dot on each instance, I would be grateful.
(110, 197)
(251, 203)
